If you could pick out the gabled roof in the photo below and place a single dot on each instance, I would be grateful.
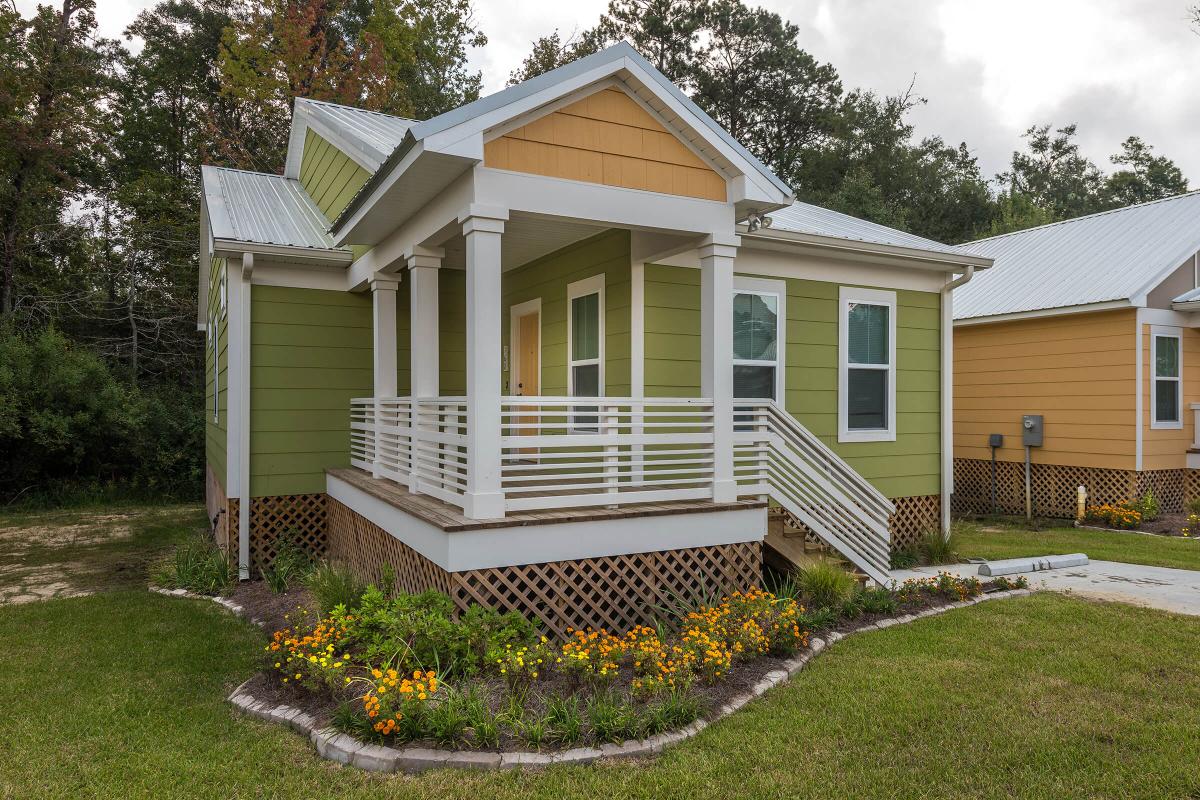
(1112, 256)
(368, 137)
(251, 207)
(807, 218)
(457, 135)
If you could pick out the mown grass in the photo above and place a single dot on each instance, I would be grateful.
(994, 540)
(122, 695)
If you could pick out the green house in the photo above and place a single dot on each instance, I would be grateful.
(569, 348)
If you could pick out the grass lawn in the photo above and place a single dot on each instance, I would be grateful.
(122, 695)
(1007, 540)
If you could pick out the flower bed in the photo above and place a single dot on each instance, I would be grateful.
(1142, 516)
(400, 671)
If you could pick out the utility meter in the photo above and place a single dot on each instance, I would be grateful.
(1031, 430)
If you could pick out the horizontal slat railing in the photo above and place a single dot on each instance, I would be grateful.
(563, 452)
(777, 456)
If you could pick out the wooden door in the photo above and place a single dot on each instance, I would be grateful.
(529, 365)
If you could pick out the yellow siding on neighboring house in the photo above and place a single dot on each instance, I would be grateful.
(1166, 448)
(606, 138)
(1077, 370)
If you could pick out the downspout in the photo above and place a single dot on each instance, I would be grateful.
(243, 443)
(947, 393)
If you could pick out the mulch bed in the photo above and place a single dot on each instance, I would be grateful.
(259, 602)
(1171, 525)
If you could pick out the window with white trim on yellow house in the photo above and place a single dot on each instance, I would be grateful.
(867, 365)
(1167, 386)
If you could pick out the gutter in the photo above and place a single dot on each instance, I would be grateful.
(951, 262)
(947, 392)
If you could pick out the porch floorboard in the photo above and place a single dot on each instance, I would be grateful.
(451, 519)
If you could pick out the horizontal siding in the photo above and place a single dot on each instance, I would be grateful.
(907, 467)
(1078, 371)
(330, 177)
(310, 353)
(216, 367)
(547, 278)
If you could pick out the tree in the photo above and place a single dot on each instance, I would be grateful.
(1016, 212)
(52, 123)
(551, 52)
(1055, 175)
(1145, 177)
(667, 32)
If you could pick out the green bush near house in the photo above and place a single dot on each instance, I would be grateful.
(825, 585)
(197, 565)
(937, 549)
(333, 584)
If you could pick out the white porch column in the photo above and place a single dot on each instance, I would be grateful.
(482, 228)
(424, 346)
(383, 303)
(717, 253)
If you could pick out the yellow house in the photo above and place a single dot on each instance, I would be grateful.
(1090, 324)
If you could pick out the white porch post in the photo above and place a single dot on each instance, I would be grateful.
(383, 301)
(482, 228)
(717, 253)
(424, 345)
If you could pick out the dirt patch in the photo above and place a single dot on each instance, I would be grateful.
(73, 553)
(271, 609)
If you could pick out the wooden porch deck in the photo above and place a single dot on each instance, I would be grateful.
(450, 519)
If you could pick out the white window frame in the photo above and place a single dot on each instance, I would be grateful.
(582, 288)
(1165, 332)
(848, 295)
(215, 318)
(778, 290)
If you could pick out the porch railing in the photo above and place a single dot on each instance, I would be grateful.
(566, 452)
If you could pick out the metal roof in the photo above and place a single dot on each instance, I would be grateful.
(376, 134)
(807, 218)
(1111, 256)
(263, 209)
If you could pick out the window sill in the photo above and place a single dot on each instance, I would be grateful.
(866, 436)
(1166, 426)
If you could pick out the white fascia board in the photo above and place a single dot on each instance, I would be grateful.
(296, 136)
(1174, 265)
(231, 248)
(1108, 305)
(341, 233)
(594, 203)
(928, 259)
(205, 270)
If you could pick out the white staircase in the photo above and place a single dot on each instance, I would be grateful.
(774, 455)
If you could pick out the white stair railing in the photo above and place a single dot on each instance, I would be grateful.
(777, 456)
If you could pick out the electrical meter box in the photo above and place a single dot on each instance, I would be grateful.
(995, 440)
(1031, 430)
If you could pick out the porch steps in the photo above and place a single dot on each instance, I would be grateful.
(789, 548)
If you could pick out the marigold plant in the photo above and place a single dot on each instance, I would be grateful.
(311, 654)
(1118, 515)
(591, 655)
(396, 706)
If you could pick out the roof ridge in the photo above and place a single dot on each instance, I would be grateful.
(247, 172)
(1093, 215)
(314, 101)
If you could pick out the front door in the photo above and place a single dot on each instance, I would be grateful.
(529, 366)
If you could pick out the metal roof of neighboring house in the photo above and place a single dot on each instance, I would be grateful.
(807, 218)
(1110, 256)
(263, 209)
(374, 133)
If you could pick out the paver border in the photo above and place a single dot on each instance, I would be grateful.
(336, 746)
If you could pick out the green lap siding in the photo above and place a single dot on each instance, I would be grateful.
(216, 368)
(330, 177)
(547, 278)
(310, 353)
(906, 467)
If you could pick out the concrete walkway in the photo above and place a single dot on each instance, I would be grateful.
(1176, 590)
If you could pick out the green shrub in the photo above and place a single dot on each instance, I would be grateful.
(290, 566)
(199, 566)
(818, 619)
(905, 557)
(419, 631)
(1148, 506)
(937, 549)
(1193, 506)
(825, 585)
(333, 584)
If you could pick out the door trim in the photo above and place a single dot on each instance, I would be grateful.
(514, 340)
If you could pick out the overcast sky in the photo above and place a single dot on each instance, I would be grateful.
(989, 69)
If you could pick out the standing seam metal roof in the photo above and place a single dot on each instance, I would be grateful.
(1112, 255)
(264, 209)
(807, 218)
(376, 133)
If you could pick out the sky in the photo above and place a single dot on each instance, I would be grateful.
(988, 69)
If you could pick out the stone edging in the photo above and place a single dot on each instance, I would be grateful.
(335, 746)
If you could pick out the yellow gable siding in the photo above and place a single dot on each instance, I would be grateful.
(606, 138)
(1166, 448)
(1077, 370)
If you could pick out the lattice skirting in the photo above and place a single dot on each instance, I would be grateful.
(221, 511)
(298, 518)
(915, 517)
(613, 592)
(1054, 487)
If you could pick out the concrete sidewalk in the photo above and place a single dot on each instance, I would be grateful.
(1176, 590)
